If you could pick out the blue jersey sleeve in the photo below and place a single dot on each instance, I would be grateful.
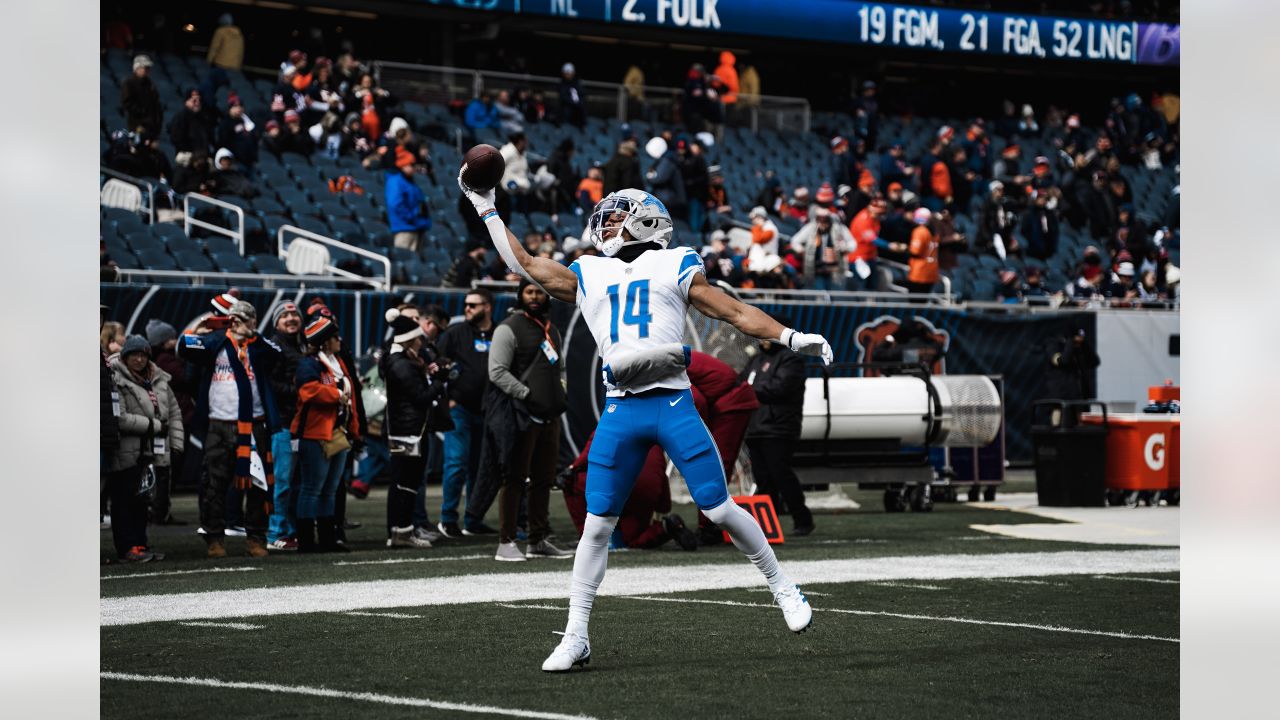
(690, 265)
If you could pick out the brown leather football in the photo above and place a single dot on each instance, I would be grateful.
(482, 167)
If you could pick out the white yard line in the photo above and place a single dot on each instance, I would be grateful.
(514, 606)
(342, 695)
(911, 616)
(1018, 581)
(913, 586)
(227, 625)
(137, 575)
(1161, 581)
(808, 593)
(394, 616)
(398, 561)
(554, 585)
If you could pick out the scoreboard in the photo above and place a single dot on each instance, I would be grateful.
(955, 30)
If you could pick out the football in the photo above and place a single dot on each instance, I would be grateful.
(482, 167)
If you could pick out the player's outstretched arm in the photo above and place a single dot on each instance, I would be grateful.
(558, 280)
(753, 321)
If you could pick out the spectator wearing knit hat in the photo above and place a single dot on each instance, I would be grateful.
(325, 425)
(228, 179)
(825, 244)
(285, 323)
(188, 131)
(923, 266)
(163, 339)
(150, 426)
(238, 133)
(842, 168)
(407, 212)
(293, 137)
(234, 419)
(139, 98)
(894, 167)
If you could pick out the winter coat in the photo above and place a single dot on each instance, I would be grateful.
(108, 425)
(141, 421)
(283, 385)
(141, 103)
(179, 381)
(810, 242)
(1040, 232)
(202, 352)
(777, 376)
(231, 134)
(721, 388)
(319, 401)
(665, 181)
(479, 115)
(517, 353)
(411, 396)
(189, 133)
(923, 265)
(728, 74)
(622, 171)
(406, 205)
(1071, 371)
(226, 49)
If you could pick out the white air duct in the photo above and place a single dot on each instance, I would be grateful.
(942, 410)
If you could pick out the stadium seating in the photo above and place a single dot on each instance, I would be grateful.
(294, 189)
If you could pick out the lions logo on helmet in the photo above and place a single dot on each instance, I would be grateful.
(629, 217)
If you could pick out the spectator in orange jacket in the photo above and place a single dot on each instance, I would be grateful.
(728, 75)
(923, 266)
(591, 189)
(325, 424)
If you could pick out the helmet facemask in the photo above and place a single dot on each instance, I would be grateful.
(628, 217)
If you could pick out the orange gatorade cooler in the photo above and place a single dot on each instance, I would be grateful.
(1138, 450)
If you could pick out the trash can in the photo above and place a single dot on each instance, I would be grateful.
(1070, 456)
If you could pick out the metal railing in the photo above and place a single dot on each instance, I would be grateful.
(199, 278)
(236, 235)
(147, 187)
(282, 251)
(437, 84)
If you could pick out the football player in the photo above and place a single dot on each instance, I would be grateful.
(634, 297)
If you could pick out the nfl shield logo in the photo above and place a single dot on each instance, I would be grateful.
(612, 408)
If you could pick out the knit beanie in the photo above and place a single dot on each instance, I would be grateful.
(320, 330)
(278, 310)
(160, 332)
(403, 328)
(222, 303)
(133, 344)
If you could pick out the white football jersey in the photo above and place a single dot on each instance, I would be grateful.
(637, 305)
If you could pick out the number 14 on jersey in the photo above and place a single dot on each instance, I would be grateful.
(633, 306)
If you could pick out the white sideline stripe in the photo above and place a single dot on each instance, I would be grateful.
(808, 593)
(914, 586)
(1015, 581)
(911, 616)
(514, 606)
(1162, 581)
(398, 561)
(554, 585)
(227, 625)
(342, 695)
(396, 616)
(136, 575)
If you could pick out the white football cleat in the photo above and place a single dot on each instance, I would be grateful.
(795, 608)
(572, 650)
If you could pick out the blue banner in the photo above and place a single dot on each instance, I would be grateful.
(876, 24)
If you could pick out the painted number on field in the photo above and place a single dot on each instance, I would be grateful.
(1153, 452)
(761, 508)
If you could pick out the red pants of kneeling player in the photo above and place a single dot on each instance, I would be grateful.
(651, 494)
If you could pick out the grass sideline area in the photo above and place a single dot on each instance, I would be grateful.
(1077, 645)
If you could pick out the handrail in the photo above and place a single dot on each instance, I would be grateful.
(149, 188)
(753, 106)
(238, 236)
(282, 251)
(271, 280)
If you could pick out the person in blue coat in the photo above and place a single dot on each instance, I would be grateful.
(407, 213)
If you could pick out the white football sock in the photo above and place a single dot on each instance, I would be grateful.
(749, 538)
(589, 563)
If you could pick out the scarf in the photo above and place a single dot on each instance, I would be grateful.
(238, 355)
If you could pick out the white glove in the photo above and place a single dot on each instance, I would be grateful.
(807, 344)
(480, 201)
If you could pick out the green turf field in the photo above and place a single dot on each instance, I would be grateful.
(1038, 645)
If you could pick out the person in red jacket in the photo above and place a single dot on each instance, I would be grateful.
(726, 406)
(325, 425)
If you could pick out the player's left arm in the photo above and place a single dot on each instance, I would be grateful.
(753, 321)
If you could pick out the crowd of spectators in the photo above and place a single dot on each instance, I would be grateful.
(276, 427)
(879, 220)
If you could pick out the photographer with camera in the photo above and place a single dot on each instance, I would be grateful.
(416, 386)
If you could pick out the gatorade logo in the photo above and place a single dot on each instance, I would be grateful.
(1153, 453)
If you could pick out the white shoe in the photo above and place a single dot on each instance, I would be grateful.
(404, 537)
(795, 608)
(572, 650)
(508, 552)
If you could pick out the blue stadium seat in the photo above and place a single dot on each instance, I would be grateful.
(231, 262)
(268, 264)
(153, 259)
